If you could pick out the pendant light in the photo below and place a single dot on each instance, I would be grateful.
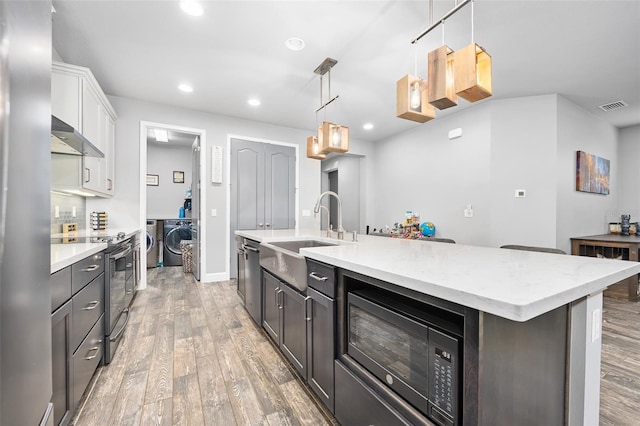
(331, 137)
(411, 97)
(313, 149)
(472, 70)
(442, 93)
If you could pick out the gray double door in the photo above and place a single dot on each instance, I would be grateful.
(262, 188)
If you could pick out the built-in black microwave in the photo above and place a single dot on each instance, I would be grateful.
(412, 347)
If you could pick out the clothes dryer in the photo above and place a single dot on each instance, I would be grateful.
(175, 230)
(153, 248)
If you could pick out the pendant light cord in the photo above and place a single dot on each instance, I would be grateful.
(472, 20)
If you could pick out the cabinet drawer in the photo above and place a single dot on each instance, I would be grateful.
(88, 305)
(356, 404)
(321, 277)
(60, 287)
(84, 271)
(86, 359)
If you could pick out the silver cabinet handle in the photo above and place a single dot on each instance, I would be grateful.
(88, 174)
(110, 184)
(260, 225)
(308, 308)
(90, 268)
(255, 250)
(95, 354)
(317, 277)
(91, 305)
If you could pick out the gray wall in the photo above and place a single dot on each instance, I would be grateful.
(423, 171)
(350, 190)
(581, 213)
(629, 181)
(164, 201)
(523, 143)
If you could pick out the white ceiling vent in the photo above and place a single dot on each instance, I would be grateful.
(613, 106)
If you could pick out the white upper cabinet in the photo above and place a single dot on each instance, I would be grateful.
(78, 100)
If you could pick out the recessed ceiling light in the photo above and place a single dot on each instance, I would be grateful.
(254, 102)
(191, 7)
(294, 43)
(161, 135)
(367, 126)
(185, 88)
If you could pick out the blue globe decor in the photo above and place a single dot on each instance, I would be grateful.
(427, 229)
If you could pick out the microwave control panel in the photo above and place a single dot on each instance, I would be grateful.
(443, 378)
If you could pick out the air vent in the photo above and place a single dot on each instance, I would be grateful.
(613, 106)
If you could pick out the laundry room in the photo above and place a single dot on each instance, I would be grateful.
(169, 195)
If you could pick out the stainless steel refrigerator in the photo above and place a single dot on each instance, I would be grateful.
(25, 301)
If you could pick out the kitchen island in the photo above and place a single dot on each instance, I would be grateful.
(538, 317)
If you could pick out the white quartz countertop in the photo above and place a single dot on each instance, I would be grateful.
(517, 285)
(63, 255)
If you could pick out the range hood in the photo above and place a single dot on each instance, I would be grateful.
(67, 140)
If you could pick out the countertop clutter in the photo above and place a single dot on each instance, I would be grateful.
(65, 254)
(516, 285)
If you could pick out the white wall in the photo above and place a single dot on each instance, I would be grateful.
(629, 176)
(582, 213)
(126, 201)
(164, 201)
(350, 190)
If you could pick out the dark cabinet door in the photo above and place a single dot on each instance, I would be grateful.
(293, 340)
(241, 281)
(271, 306)
(61, 364)
(321, 346)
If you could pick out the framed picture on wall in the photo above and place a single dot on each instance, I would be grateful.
(178, 177)
(153, 180)
(592, 173)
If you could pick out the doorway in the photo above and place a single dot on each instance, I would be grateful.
(342, 176)
(263, 185)
(170, 172)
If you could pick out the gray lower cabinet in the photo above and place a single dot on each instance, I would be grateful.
(61, 364)
(284, 319)
(77, 332)
(321, 346)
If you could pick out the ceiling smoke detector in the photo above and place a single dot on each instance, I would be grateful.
(612, 106)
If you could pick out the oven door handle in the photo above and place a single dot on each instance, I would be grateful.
(126, 321)
(122, 253)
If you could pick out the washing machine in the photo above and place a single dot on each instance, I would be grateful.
(175, 230)
(153, 246)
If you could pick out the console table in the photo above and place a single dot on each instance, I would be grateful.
(611, 246)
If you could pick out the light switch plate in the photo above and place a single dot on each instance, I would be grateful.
(214, 212)
(306, 213)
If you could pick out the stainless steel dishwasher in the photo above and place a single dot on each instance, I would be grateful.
(250, 277)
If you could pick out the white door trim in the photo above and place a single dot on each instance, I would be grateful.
(201, 133)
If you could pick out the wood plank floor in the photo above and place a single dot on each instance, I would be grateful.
(193, 356)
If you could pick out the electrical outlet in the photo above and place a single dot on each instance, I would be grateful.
(214, 212)
(306, 213)
(596, 325)
(73, 211)
(468, 212)
(56, 211)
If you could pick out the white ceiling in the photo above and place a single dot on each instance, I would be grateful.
(587, 51)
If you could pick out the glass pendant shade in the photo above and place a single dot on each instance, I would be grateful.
(333, 138)
(441, 85)
(411, 100)
(472, 73)
(313, 149)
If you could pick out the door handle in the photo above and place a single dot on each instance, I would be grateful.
(260, 225)
(267, 224)
(308, 308)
